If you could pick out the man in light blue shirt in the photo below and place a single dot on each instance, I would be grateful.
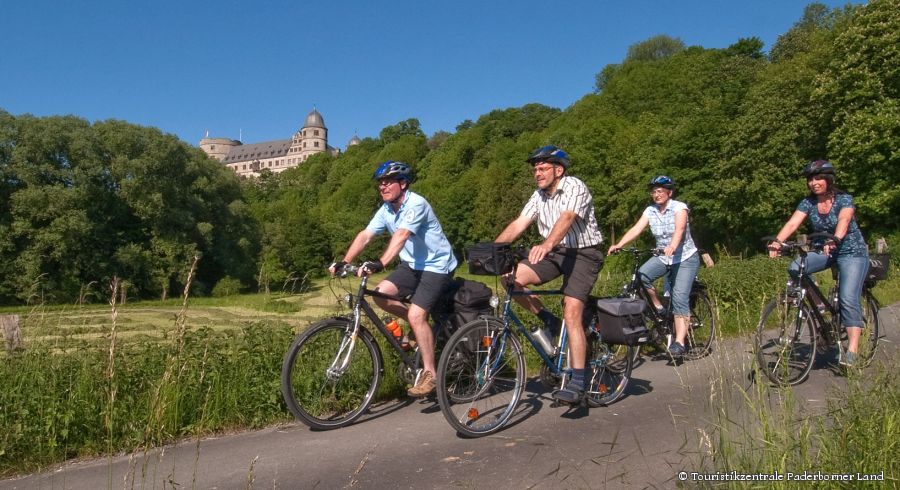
(426, 259)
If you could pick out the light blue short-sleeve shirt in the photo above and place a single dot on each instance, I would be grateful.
(662, 224)
(427, 248)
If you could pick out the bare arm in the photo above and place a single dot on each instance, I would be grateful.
(840, 230)
(681, 218)
(359, 243)
(557, 233)
(356, 247)
(513, 230)
(786, 231)
(395, 245)
(631, 234)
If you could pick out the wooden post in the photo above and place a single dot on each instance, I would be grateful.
(11, 332)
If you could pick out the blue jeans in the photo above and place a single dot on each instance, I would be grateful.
(851, 273)
(681, 277)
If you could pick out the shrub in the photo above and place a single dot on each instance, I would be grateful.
(227, 286)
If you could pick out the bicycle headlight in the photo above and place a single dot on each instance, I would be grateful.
(348, 298)
(495, 301)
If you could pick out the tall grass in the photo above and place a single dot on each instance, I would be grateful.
(763, 430)
(53, 409)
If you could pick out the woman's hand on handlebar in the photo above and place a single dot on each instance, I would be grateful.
(613, 249)
(774, 248)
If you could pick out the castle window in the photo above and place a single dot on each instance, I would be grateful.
(304, 132)
(316, 143)
(304, 144)
(212, 147)
(316, 132)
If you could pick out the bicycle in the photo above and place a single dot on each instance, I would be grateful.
(481, 372)
(327, 381)
(701, 325)
(800, 321)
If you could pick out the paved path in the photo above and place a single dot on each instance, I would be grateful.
(642, 441)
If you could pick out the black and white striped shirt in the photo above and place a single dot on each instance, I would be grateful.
(571, 195)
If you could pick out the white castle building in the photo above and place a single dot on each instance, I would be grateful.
(276, 156)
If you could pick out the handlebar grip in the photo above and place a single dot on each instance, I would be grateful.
(346, 270)
(822, 234)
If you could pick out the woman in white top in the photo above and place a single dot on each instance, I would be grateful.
(668, 220)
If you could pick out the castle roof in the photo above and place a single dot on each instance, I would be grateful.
(314, 120)
(257, 151)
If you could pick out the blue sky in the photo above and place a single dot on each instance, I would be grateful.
(256, 68)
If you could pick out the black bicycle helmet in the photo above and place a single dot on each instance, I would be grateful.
(663, 181)
(818, 167)
(549, 154)
(392, 169)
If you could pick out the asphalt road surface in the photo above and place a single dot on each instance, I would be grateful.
(642, 441)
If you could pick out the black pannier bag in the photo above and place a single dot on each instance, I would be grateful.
(879, 264)
(621, 321)
(471, 300)
(490, 259)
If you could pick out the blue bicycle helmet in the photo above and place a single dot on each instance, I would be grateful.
(818, 167)
(549, 154)
(392, 169)
(663, 181)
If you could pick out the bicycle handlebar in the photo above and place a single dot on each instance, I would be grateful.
(346, 270)
(816, 240)
(656, 252)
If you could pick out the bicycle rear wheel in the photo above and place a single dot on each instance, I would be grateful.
(327, 379)
(786, 340)
(868, 340)
(481, 375)
(701, 326)
(610, 371)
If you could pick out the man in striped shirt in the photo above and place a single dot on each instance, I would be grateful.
(563, 207)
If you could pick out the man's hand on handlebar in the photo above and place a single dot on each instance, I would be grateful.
(336, 267)
(370, 267)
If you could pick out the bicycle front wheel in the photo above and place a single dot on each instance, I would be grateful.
(868, 339)
(786, 340)
(481, 375)
(328, 378)
(701, 327)
(610, 371)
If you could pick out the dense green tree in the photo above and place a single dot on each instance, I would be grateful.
(656, 48)
(859, 96)
(409, 127)
(112, 199)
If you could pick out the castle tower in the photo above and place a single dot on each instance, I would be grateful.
(354, 141)
(217, 148)
(312, 138)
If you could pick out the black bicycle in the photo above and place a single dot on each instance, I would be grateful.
(701, 325)
(481, 373)
(332, 370)
(800, 322)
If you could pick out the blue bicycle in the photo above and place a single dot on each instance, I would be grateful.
(482, 372)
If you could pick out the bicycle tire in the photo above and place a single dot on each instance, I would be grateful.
(868, 340)
(481, 376)
(610, 371)
(786, 340)
(324, 401)
(701, 326)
